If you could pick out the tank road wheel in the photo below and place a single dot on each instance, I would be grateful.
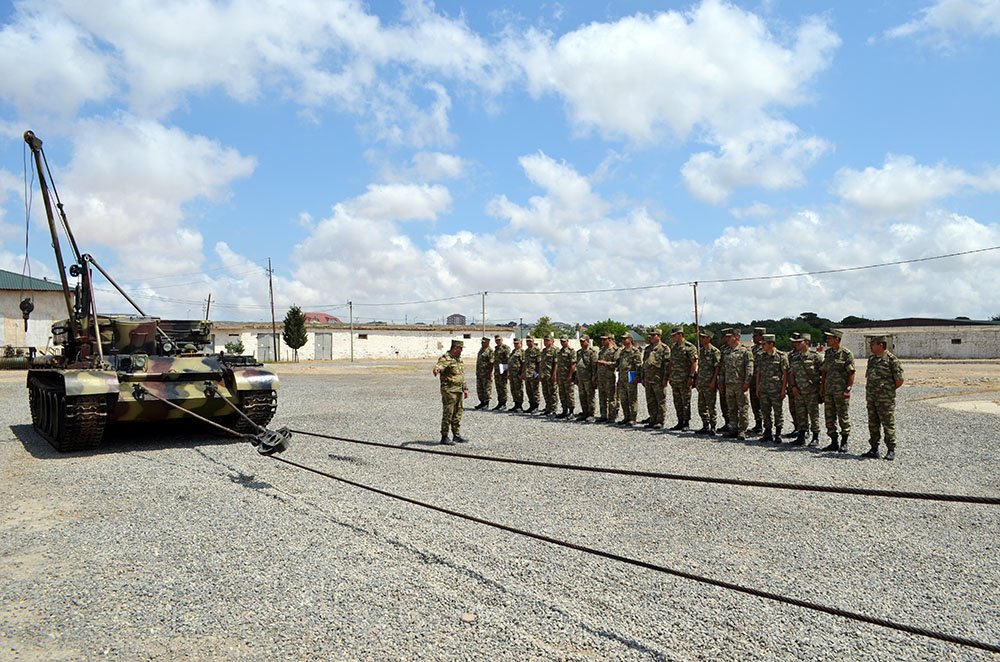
(259, 406)
(68, 423)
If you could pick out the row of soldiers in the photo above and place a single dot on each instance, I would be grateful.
(743, 380)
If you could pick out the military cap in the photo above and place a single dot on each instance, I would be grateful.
(564, 337)
(879, 339)
(585, 337)
(727, 332)
(457, 343)
(624, 336)
(655, 332)
(498, 337)
(795, 337)
(768, 337)
(517, 340)
(835, 333)
(705, 333)
(606, 337)
(550, 335)
(485, 339)
(806, 337)
(677, 329)
(759, 330)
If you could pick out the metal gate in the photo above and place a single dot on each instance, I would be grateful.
(265, 347)
(324, 346)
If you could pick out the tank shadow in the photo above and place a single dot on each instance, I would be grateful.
(124, 437)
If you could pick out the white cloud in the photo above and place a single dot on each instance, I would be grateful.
(902, 186)
(399, 202)
(946, 20)
(430, 166)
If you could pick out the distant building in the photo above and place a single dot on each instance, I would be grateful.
(456, 319)
(924, 338)
(50, 306)
(322, 318)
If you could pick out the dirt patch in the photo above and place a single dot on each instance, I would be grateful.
(976, 406)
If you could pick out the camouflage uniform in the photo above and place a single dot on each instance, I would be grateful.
(683, 358)
(565, 369)
(515, 375)
(792, 410)
(452, 374)
(881, 375)
(804, 368)
(629, 360)
(501, 357)
(709, 359)
(586, 379)
(532, 374)
(548, 364)
(756, 351)
(737, 373)
(721, 385)
(655, 362)
(606, 382)
(772, 383)
(484, 375)
(838, 366)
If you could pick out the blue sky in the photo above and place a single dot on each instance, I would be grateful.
(396, 152)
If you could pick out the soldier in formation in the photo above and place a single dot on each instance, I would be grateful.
(737, 375)
(755, 350)
(563, 377)
(883, 376)
(531, 370)
(547, 376)
(683, 374)
(453, 392)
(586, 378)
(629, 365)
(501, 357)
(515, 375)
(836, 379)
(804, 366)
(607, 363)
(484, 374)
(709, 360)
(771, 370)
(655, 363)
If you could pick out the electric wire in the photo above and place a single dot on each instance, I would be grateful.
(768, 595)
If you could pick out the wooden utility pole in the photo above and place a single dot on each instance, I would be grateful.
(208, 306)
(484, 314)
(697, 329)
(350, 305)
(274, 326)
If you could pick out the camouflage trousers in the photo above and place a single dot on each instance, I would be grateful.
(550, 395)
(608, 397)
(706, 405)
(882, 416)
(755, 405)
(531, 389)
(656, 401)
(587, 389)
(792, 411)
(517, 391)
(807, 410)
(836, 410)
(451, 412)
(567, 397)
(771, 409)
(724, 406)
(628, 397)
(738, 406)
(501, 380)
(484, 388)
(682, 401)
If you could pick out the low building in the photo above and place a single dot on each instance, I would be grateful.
(922, 338)
(322, 318)
(456, 319)
(49, 306)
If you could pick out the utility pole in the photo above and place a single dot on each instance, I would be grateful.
(274, 326)
(350, 306)
(484, 314)
(208, 306)
(520, 328)
(697, 329)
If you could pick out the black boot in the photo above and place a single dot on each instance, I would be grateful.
(678, 426)
(767, 437)
(702, 430)
(873, 451)
(710, 431)
(800, 438)
(833, 445)
(843, 443)
(793, 433)
(814, 442)
(445, 441)
(891, 454)
(758, 427)
(777, 434)
(460, 439)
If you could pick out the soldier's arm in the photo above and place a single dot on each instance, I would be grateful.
(693, 377)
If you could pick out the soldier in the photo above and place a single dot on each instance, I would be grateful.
(501, 357)
(531, 370)
(607, 360)
(546, 375)
(586, 378)
(758, 340)
(655, 361)
(484, 374)
(793, 412)
(453, 392)
(771, 369)
(737, 373)
(564, 375)
(836, 379)
(629, 365)
(683, 372)
(883, 375)
(804, 364)
(724, 350)
(709, 359)
(515, 375)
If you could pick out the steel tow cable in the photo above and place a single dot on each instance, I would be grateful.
(805, 604)
(859, 491)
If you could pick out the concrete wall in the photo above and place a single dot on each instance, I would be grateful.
(49, 307)
(931, 342)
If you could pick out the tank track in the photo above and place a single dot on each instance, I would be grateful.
(259, 406)
(67, 423)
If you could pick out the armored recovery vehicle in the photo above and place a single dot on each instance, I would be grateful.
(135, 368)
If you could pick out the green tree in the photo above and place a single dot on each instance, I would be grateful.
(608, 327)
(543, 327)
(235, 347)
(995, 318)
(294, 333)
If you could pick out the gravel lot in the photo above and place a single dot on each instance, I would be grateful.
(170, 544)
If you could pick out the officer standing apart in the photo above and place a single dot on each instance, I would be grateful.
(607, 360)
(453, 392)
(836, 379)
(532, 373)
(586, 378)
(709, 359)
(683, 373)
(771, 369)
(629, 365)
(883, 375)
(515, 374)
(655, 362)
(501, 357)
(737, 372)
(804, 365)
(484, 374)
(547, 376)
(564, 375)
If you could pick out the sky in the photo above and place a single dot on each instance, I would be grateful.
(409, 156)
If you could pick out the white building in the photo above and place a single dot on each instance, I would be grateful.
(50, 306)
(925, 341)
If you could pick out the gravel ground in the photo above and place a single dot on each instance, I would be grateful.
(172, 544)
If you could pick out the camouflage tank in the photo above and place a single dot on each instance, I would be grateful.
(135, 368)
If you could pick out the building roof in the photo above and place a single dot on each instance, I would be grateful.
(10, 280)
